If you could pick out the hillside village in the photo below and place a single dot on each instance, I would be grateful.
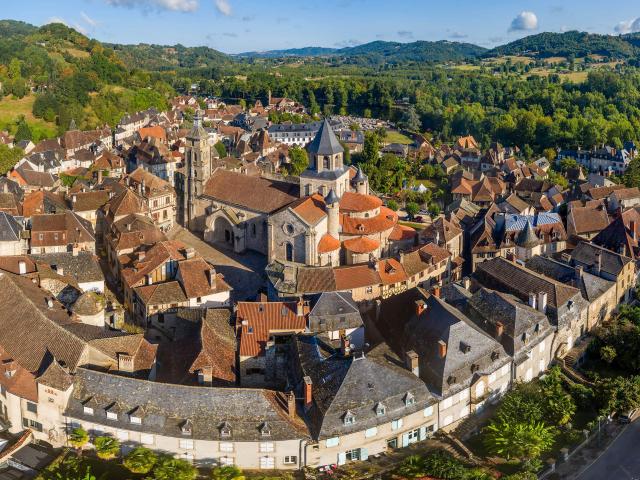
(353, 328)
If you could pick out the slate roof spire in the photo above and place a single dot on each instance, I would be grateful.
(325, 141)
(527, 237)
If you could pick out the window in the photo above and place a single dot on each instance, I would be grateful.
(290, 460)
(32, 424)
(112, 415)
(409, 400)
(349, 418)
(396, 424)
(88, 410)
(186, 444)
(227, 461)
(371, 432)
(352, 455)
(225, 431)
(289, 252)
(266, 447)
(267, 462)
(332, 442)
(147, 439)
(369, 289)
(428, 411)
(380, 409)
(135, 420)
(226, 447)
(413, 436)
(122, 435)
(492, 377)
(32, 407)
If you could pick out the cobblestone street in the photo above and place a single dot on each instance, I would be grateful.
(244, 273)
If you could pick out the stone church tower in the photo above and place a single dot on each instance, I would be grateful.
(197, 156)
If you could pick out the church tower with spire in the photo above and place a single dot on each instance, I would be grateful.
(197, 166)
(326, 170)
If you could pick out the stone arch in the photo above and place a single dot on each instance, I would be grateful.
(220, 231)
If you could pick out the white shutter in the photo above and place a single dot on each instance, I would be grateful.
(405, 439)
(342, 458)
(364, 454)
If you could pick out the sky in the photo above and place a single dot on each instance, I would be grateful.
(234, 26)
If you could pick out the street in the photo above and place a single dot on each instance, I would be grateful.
(620, 460)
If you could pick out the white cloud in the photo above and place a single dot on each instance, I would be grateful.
(88, 20)
(628, 26)
(176, 5)
(223, 6)
(524, 21)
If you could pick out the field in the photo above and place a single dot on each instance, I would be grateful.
(11, 108)
(397, 137)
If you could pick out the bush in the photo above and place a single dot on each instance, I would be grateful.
(140, 460)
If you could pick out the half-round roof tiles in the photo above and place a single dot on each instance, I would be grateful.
(357, 202)
(361, 245)
(328, 244)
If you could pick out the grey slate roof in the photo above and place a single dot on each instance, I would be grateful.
(356, 385)
(524, 327)
(83, 267)
(325, 141)
(166, 407)
(591, 286)
(333, 311)
(527, 238)
(610, 262)
(10, 229)
(467, 345)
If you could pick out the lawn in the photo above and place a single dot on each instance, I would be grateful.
(11, 108)
(397, 137)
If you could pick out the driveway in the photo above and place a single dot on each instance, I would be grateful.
(620, 461)
(244, 273)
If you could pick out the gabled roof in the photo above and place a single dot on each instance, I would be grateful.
(10, 229)
(610, 262)
(325, 141)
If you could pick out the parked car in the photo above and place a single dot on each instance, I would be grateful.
(628, 417)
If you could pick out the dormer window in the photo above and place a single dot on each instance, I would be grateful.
(409, 399)
(537, 328)
(380, 409)
(112, 415)
(135, 420)
(466, 348)
(265, 430)
(88, 410)
(349, 418)
(225, 430)
(525, 339)
(451, 380)
(495, 356)
(186, 428)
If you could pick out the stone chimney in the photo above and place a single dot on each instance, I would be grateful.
(436, 291)
(598, 264)
(300, 308)
(190, 252)
(125, 363)
(308, 392)
(411, 361)
(345, 346)
(542, 302)
(141, 255)
(532, 300)
(74, 198)
(466, 283)
(632, 227)
(10, 367)
(205, 376)
(420, 307)
(59, 270)
(99, 175)
(22, 267)
(579, 270)
(442, 348)
(499, 329)
(291, 404)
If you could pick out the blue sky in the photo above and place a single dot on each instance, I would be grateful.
(234, 26)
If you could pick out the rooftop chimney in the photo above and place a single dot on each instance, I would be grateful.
(579, 270)
(125, 363)
(632, 227)
(291, 404)
(300, 308)
(189, 252)
(499, 329)
(205, 376)
(442, 348)
(532, 300)
(420, 307)
(22, 267)
(436, 291)
(10, 367)
(345, 345)
(211, 277)
(411, 360)
(466, 283)
(59, 270)
(542, 302)
(308, 392)
(598, 265)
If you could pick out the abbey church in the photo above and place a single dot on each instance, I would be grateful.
(328, 218)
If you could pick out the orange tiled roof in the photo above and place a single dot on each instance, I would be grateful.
(361, 245)
(328, 244)
(357, 202)
(402, 232)
(391, 271)
(155, 132)
(386, 220)
(311, 209)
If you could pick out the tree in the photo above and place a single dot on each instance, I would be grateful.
(393, 205)
(228, 472)
(411, 120)
(608, 354)
(518, 440)
(140, 460)
(221, 149)
(549, 154)
(106, 447)
(23, 132)
(78, 438)
(412, 208)
(9, 157)
(169, 468)
(299, 160)
(434, 209)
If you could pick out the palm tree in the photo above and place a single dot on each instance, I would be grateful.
(413, 467)
(169, 468)
(78, 438)
(229, 472)
(106, 447)
(140, 460)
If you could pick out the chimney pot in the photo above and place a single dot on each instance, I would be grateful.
(412, 362)
(420, 307)
(532, 300)
(542, 302)
(345, 345)
(632, 227)
(499, 329)
(308, 392)
(22, 267)
(442, 348)
(291, 404)
(436, 291)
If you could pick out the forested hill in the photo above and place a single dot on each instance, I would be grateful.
(165, 57)
(381, 51)
(576, 44)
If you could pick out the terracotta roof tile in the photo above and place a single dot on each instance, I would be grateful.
(357, 202)
(328, 244)
(386, 220)
(361, 245)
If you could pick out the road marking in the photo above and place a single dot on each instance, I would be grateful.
(602, 453)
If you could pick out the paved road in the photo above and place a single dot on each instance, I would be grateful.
(244, 273)
(621, 461)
